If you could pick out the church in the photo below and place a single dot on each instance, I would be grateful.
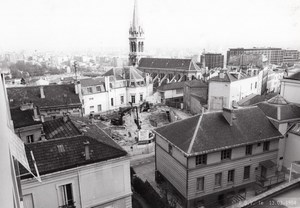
(162, 70)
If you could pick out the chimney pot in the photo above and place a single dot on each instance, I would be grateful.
(42, 118)
(42, 92)
(87, 150)
(65, 117)
(35, 113)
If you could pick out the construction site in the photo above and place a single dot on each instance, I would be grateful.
(131, 127)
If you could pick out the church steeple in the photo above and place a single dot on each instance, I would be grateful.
(136, 38)
(135, 20)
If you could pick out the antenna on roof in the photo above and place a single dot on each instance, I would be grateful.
(75, 68)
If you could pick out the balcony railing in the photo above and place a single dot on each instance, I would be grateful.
(271, 180)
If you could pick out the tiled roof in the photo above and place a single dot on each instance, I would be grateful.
(128, 73)
(196, 83)
(171, 86)
(280, 112)
(23, 118)
(215, 133)
(278, 100)
(92, 81)
(62, 154)
(179, 85)
(229, 77)
(166, 63)
(253, 99)
(57, 128)
(295, 76)
(94, 130)
(55, 95)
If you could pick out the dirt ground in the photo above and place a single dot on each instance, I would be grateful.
(127, 134)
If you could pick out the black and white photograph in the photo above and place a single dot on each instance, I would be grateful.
(150, 104)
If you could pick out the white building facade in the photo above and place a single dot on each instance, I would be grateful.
(115, 89)
(226, 90)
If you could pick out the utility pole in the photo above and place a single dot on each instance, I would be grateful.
(75, 68)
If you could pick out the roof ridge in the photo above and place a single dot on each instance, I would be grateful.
(110, 138)
(55, 139)
(176, 122)
(195, 133)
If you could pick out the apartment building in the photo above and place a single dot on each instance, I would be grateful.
(226, 89)
(286, 118)
(290, 57)
(212, 60)
(115, 89)
(77, 172)
(27, 123)
(290, 87)
(274, 55)
(210, 159)
(52, 100)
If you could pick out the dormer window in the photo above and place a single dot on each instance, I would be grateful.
(226, 154)
(201, 159)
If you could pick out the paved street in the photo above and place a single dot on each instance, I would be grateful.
(145, 169)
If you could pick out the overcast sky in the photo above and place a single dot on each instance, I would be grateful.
(95, 24)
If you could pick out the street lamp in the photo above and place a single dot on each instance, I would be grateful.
(291, 168)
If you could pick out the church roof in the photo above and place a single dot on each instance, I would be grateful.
(168, 63)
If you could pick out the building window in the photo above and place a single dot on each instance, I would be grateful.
(133, 98)
(255, 85)
(266, 146)
(66, 195)
(249, 149)
(200, 184)
(92, 107)
(170, 149)
(99, 108)
(218, 179)
(91, 98)
(251, 86)
(98, 88)
(82, 101)
(230, 178)
(141, 97)
(29, 138)
(90, 90)
(246, 172)
(201, 159)
(122, 99)
(111, 101)
(226, 154)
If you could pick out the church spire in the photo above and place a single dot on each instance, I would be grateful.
(136, 38)
(135, 20)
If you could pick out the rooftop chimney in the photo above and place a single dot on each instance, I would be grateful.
(279, 113)
(228, 115)
(77, 87)
(35, 114)
(42, 92)
(65, 117)
(42, 118)
(87, 150)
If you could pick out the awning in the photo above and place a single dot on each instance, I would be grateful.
(267, 164)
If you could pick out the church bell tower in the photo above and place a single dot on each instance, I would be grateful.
(136, 39)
